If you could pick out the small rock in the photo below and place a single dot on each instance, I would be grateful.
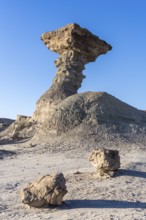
(105, 161)
(48, 190)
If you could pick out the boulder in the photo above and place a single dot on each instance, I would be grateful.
(105, 161)
(48, 190)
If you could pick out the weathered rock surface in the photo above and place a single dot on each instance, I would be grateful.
(105, 161)
(48, 190)
(5, 123)
(90, 118)
(23, 127)
(76, 47)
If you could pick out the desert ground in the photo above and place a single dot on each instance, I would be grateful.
(122, 197)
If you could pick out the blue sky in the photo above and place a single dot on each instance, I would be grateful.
(27, 66)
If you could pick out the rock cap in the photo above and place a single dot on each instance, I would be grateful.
(74, 38)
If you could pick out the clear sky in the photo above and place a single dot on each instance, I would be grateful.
(27, 66)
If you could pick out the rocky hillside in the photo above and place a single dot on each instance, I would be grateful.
(90, 119)
(22, 128)
(5, 123)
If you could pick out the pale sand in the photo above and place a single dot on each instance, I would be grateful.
(122, 197)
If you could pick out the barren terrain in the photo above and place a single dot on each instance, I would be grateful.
(121, 197)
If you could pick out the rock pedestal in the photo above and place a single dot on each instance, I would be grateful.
(76, 47)
(105, 161)
(48, 190)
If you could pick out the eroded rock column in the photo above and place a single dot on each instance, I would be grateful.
(69, 75)
(76, 47)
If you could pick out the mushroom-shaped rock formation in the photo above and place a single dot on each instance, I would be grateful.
(105, 161)
(48, 190)
(66, 120)
(76, 47)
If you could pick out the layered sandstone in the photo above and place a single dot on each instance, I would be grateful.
(76, 46)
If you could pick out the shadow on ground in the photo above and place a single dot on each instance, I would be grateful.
(134, 173)
(6, 153)
(11, 142)
(74, 204)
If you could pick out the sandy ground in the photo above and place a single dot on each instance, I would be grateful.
(122, 197)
